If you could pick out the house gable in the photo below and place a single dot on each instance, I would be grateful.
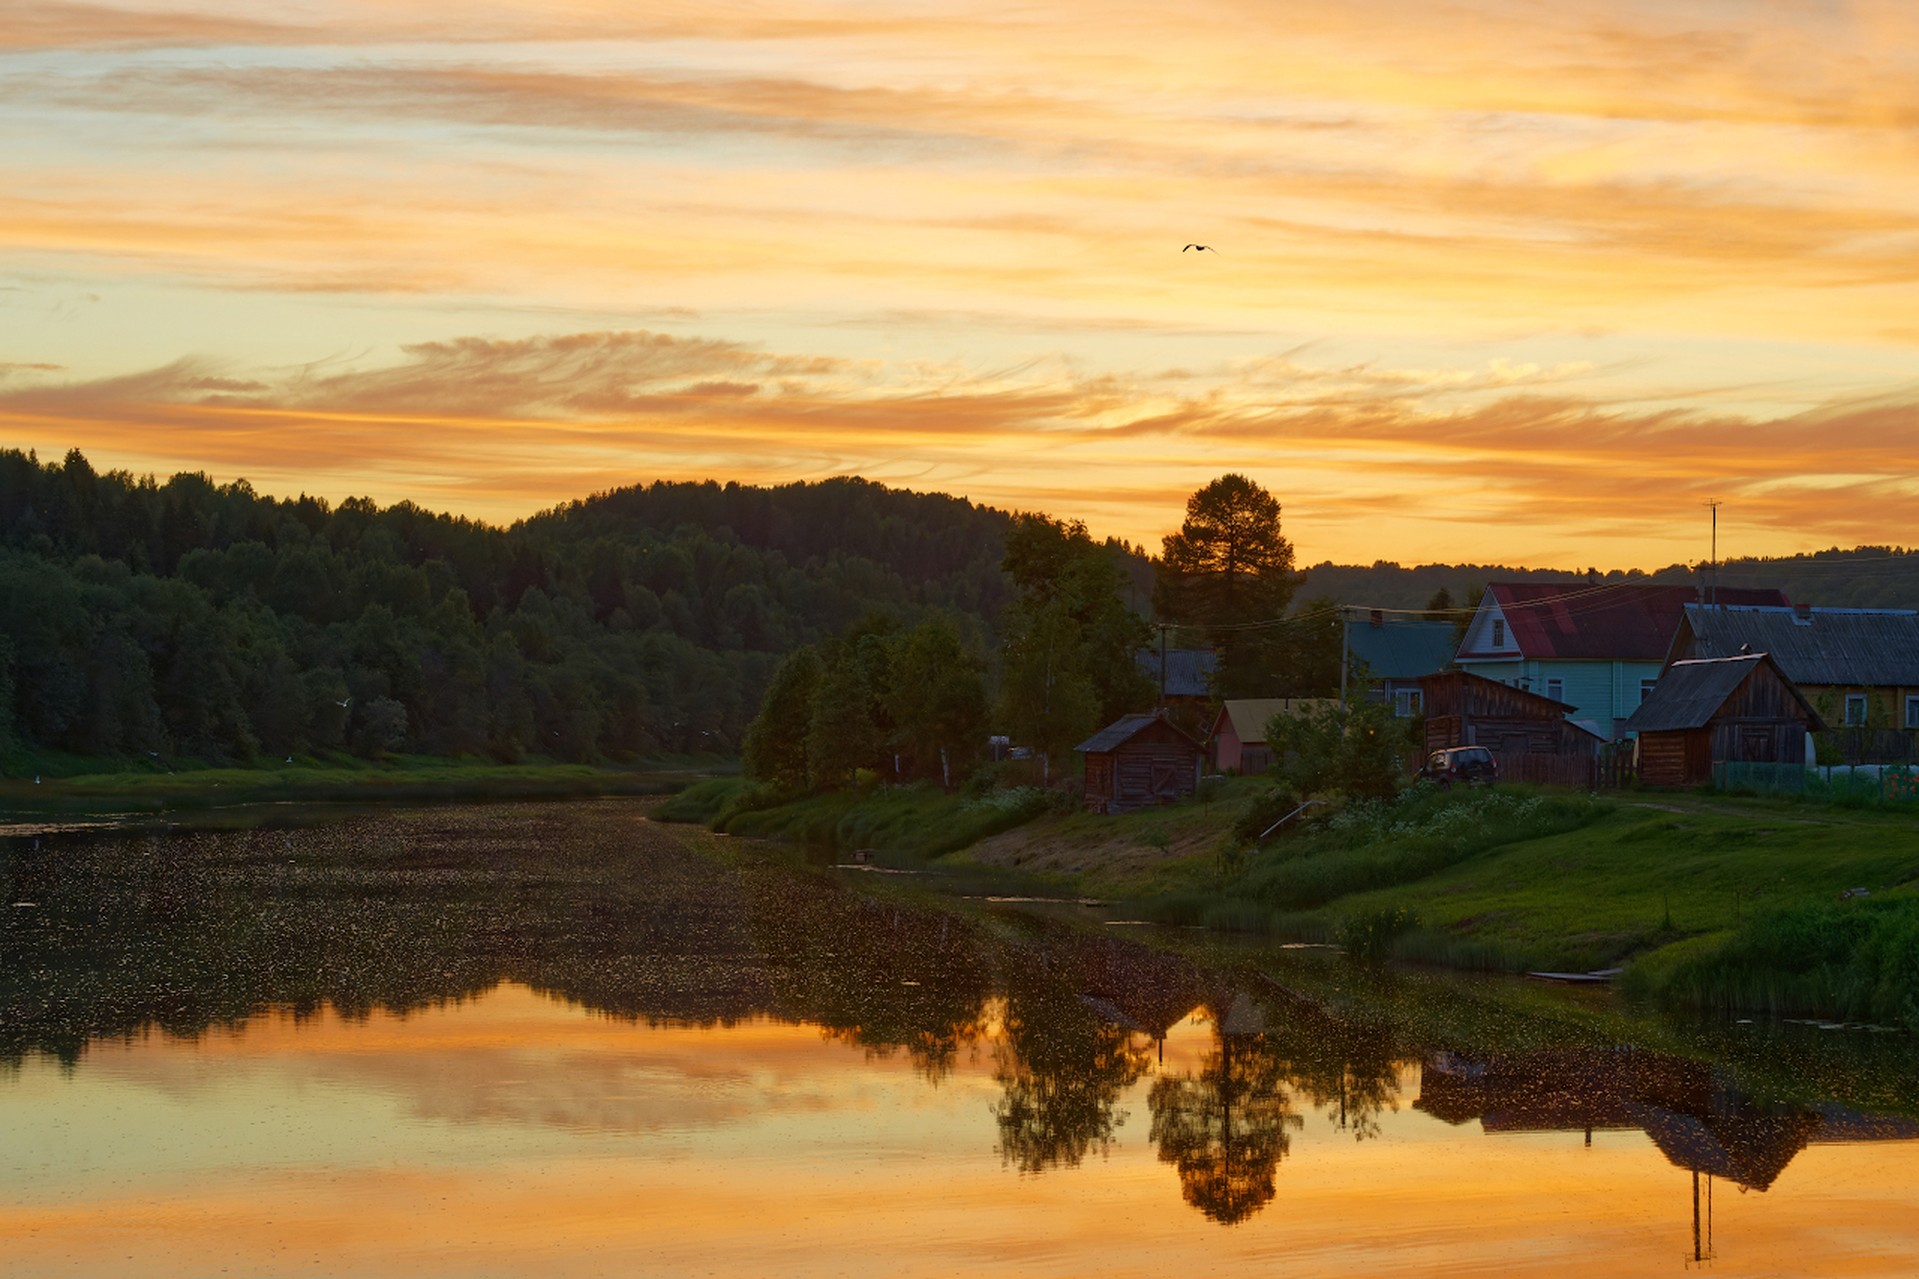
(1489, 637)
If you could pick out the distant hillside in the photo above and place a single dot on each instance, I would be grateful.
(1864, 577)
(148, 619)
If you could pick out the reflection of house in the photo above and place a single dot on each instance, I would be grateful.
(1597, 648)
(1858, 668)
(1393, 654)
(1690, 1114)
(1238, 734)
(1710, 711)
(1529, 734)
(1139, 761)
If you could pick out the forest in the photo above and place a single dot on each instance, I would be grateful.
(184, 619)
(149, 619)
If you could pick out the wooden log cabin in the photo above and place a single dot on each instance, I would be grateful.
(1711, 711)
(1139, 761)
(1528, 734)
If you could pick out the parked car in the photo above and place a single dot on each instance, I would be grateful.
(1467, 765)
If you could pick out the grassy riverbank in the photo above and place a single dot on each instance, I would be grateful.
(51, 786)
(1709, 901)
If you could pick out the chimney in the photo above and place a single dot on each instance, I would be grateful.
(1803, 612)
(1379, 618)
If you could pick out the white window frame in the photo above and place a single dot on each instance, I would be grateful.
(1499, 632)
(1857, 700)
(1406, 703)
(1556, 689)
(1912, 710)
(1645, 689)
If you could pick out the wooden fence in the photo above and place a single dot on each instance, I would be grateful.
(1580, 771)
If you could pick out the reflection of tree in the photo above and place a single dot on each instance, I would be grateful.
(1346, 1068)
(1062, 1067)
(883, 975)
(1227, 1128)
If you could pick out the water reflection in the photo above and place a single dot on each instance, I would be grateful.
(1069, 1030)
(1226, 1126)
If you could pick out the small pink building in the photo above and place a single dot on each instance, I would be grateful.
(1238, 735)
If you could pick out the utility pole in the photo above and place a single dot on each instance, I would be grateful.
(1712, 576)
(1162, 666)
(1345, 649)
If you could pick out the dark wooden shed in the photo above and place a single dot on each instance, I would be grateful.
(1139, 761)
(1717, 710)
(1529, 734)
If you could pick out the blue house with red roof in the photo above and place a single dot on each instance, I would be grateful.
(1598, 648)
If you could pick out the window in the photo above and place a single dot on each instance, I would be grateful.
(1855, 709)
(1499, 632)
(1556, 689)
(1406, 703)
(1645, 688)
(1912, 711)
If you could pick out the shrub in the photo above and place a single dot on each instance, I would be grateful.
(1857, 961)
(1375, 843)
(1262, 811)
(1366, 935)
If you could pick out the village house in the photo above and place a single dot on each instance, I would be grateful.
(1238, 733)
(1139, 761)
(1857, 667)
(1529, 735)
(1597, 648)
(1390, 655)
(1705, 712)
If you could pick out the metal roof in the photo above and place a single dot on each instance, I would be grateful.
(1631, 623)
(1401, 649)
(1189, 671)
(1841, 646)
(1690, 693)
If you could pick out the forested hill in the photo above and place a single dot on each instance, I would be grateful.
(1863, 577)
(149, 619)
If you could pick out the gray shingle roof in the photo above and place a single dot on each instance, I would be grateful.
(1843, 646)
(1114, 733)
(1123, 728)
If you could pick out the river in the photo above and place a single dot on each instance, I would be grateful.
(564, 1040)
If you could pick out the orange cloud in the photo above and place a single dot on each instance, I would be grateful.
(505, 427)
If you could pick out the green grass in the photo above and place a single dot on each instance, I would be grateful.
(902, 824)
(68, 786)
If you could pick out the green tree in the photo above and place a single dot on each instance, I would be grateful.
(1069, 637)
(937, 698)
(841, 737)
(1228, 573)
(775, 747)
(1358, 748)
(1306, 652)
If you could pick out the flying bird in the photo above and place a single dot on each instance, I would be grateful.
(1203, 248)
(343, 703)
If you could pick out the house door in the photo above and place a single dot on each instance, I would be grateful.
(1756, 743)
(1165, 782)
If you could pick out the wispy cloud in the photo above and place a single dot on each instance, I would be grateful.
(511, 426)
(1569, 265)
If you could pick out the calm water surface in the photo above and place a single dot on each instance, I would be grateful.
(559, 1040)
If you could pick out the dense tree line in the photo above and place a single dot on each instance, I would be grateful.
(183, 618)
(1859, 577)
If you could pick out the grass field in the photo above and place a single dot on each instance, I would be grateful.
(70, 786)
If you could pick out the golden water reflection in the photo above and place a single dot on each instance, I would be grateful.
(516, 1132)
(562, 1040)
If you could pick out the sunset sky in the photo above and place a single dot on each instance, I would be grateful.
(1494, 280)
